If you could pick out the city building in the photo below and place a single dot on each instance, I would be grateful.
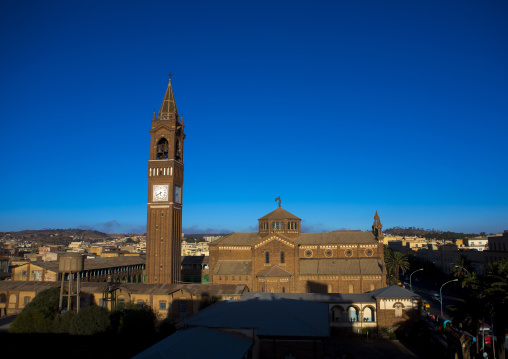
(288, 325)
(176, 301)
(280, 258)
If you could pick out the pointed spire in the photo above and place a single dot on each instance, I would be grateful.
(154, 117)
(377, 227)
(168, 109)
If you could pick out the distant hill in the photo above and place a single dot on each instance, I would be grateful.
(429, 233)
(56, 236)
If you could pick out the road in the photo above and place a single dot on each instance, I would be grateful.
(426, 291)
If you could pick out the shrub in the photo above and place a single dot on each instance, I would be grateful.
(38, 315)
(132, 320)
(90, 320)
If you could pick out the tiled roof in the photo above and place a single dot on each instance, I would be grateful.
(216, 289)
(236, 239)
(279, 213)
(372, 266)
(133, 288)
(225, 267)
(336, 237)
(274, 271)
(247, 239)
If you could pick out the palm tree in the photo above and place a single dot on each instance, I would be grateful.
(395, 262)
(496, 299)
(462, 267)
(492, 291)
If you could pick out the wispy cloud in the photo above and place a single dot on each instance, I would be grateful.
(196, 230)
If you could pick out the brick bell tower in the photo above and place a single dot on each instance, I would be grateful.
(165, 180)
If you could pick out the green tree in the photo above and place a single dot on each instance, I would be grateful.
(90, 321)
(38, 315)
(492, 291)
(395, 263)
(462, 267)
(134, 320)
(495, 295)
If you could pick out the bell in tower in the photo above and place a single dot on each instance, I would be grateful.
(165, 182)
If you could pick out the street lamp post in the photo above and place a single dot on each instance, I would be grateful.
(410, 286)
(441, 294)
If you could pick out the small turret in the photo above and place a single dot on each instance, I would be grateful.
(377, 227)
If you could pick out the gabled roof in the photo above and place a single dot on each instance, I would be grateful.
(236, 239)
(393, 292)
(274, 271)
(198, 343)
(271, 316)
(279, 213)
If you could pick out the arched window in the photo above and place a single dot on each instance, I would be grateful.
(337, 313)
(282, 257)
(267, 257)
(352, 314)
(368, 314)
(162, 149)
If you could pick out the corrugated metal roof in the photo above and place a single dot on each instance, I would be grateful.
(328, 298)
(198, 343)
(271, 316)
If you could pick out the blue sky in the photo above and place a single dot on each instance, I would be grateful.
(340, 107)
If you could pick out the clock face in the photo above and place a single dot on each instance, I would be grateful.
(178, 194)
(160, 192)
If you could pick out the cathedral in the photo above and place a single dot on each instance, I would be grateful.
(278, 258)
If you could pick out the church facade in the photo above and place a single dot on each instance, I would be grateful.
(280, 258)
